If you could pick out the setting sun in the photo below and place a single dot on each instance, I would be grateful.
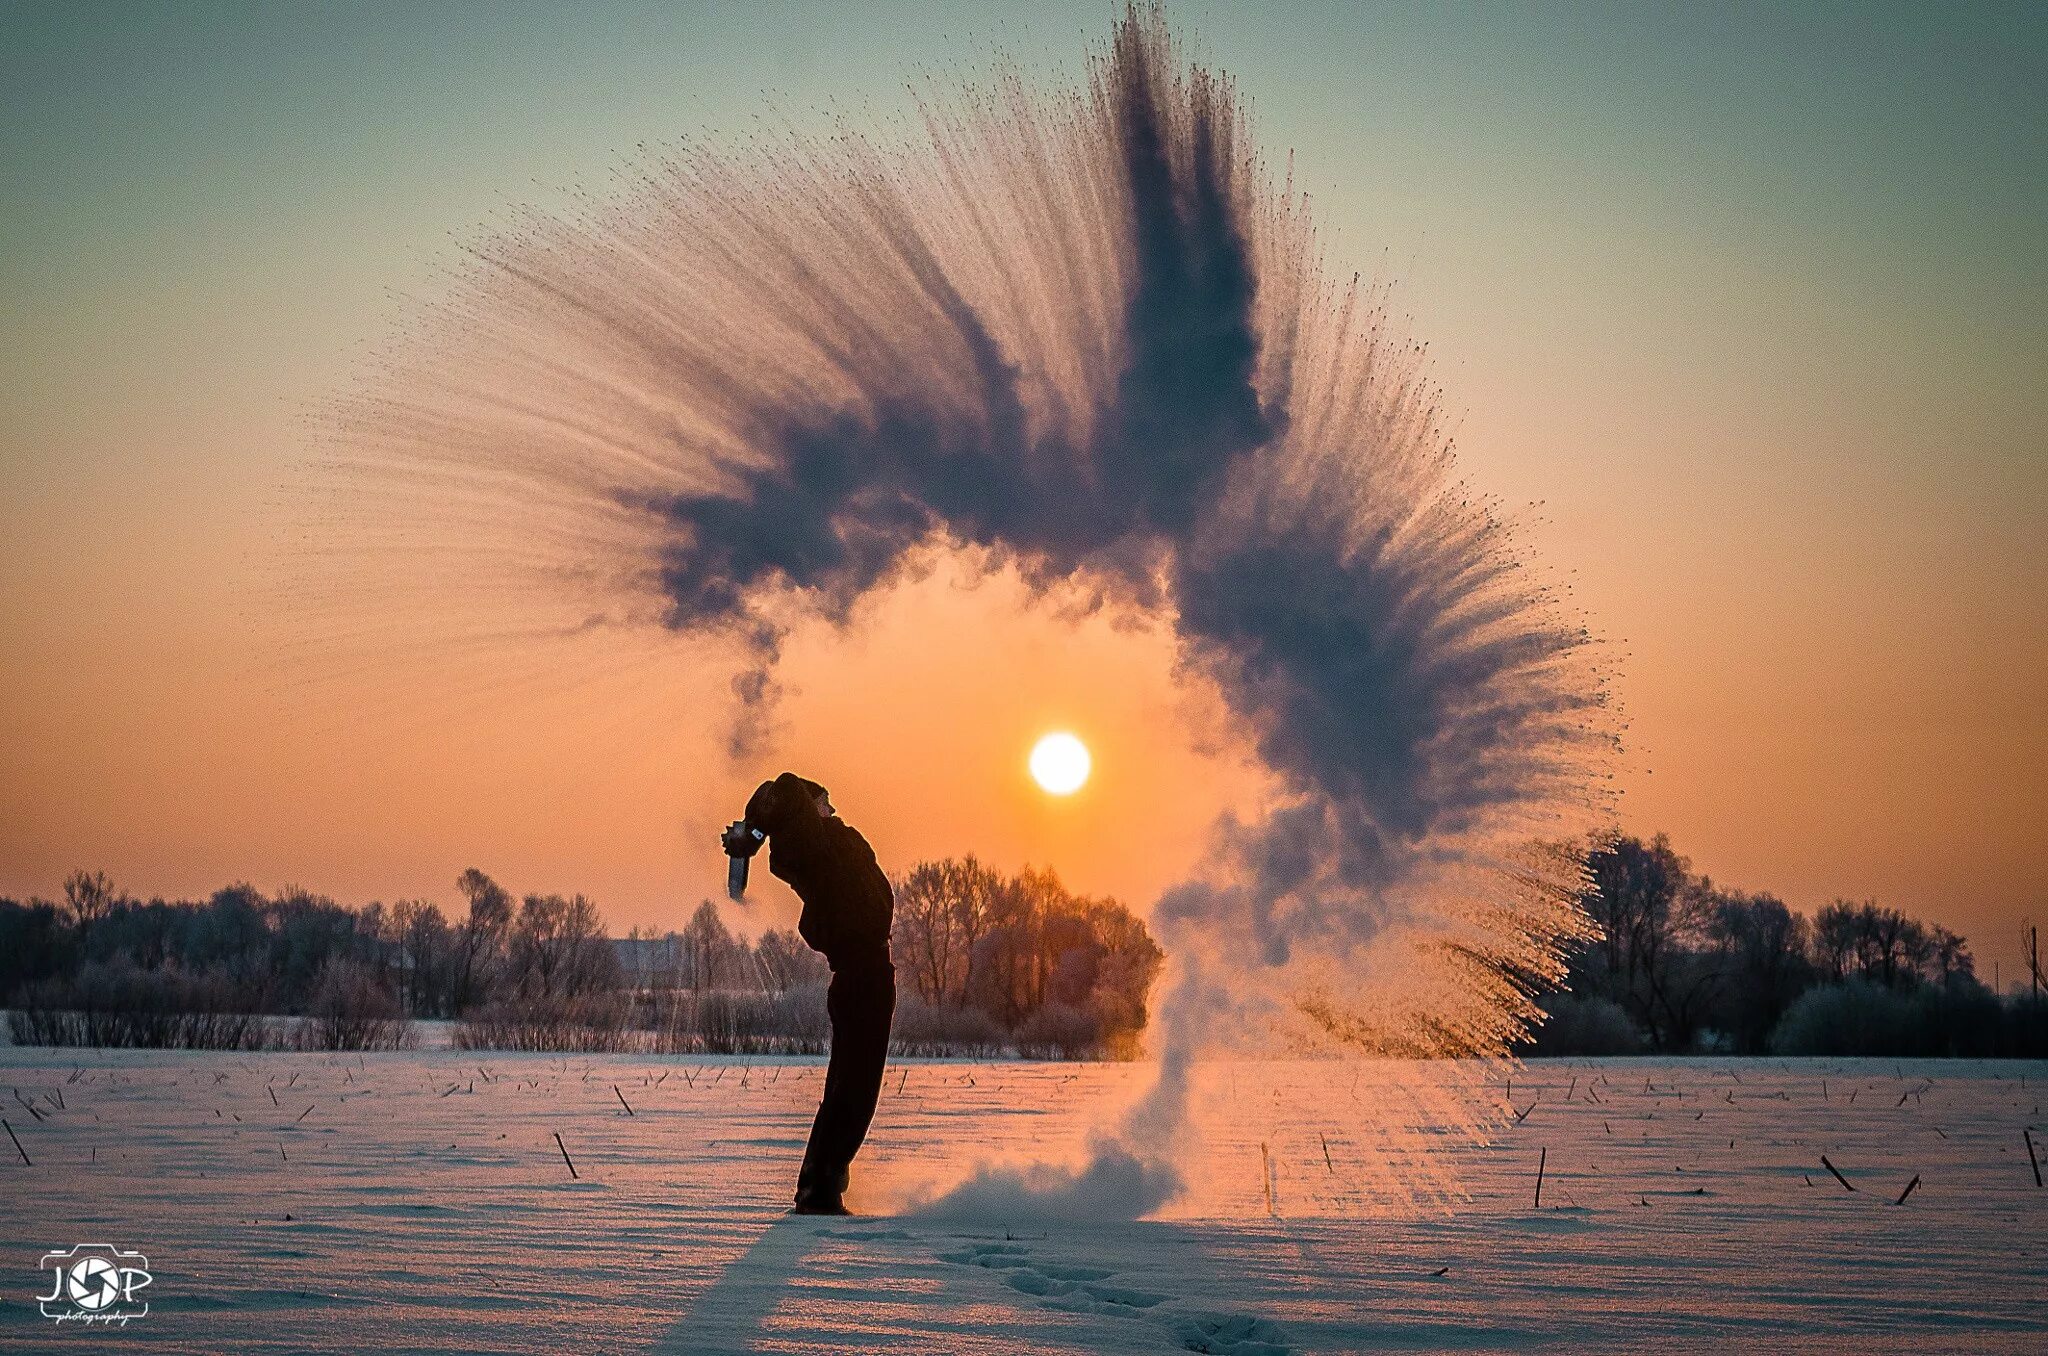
(1060, 763)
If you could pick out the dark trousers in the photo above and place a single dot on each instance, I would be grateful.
(861, 1002)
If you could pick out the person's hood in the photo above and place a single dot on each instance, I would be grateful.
(772, 803)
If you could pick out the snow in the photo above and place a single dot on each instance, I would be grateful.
(418, 1202)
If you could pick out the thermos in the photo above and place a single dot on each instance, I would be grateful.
(741, 841)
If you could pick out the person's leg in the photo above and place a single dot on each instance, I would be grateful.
(860, 1004)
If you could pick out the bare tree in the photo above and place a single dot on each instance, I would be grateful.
(1948, 956)
(559, 949)
(711, 959)
(785, 963)
(482, 940)
(1651, 911)
(90, 896)
(1836, 929)
(943, 909)
(423, 945)
(1880, 945)
(1762, 948)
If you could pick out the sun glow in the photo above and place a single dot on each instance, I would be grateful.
(1060, 763)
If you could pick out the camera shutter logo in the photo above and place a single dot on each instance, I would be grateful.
(95, 1283)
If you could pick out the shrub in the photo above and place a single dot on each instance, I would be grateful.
(351, 1009)
(930, 1031)
(1577, 1025)
(1962, 1019)
(114, 1003)
(1057, 1031)
(1846, 1020)
(588, 1023)
(732, 1022)
(2023, 1028)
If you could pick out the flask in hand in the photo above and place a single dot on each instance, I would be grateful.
(741, 841)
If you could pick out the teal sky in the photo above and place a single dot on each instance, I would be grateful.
(1753, 297)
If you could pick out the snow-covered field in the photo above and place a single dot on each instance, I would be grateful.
(419, 1202)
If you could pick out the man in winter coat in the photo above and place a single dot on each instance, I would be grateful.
(847, 911)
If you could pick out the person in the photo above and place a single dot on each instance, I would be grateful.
(847, 910)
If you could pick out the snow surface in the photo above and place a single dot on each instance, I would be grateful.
(418, 1202)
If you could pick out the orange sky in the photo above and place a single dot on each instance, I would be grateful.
(1785, 416)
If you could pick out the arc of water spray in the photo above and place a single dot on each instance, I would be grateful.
(1083, 332)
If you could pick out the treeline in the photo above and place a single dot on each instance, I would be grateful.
(1025, 966)
(988, 964)
(105, 968)
(1684, 965)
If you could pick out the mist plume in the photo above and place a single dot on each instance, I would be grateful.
(1086, 332)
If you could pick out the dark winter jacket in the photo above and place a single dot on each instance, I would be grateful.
(848, 905)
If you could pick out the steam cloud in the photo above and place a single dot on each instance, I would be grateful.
(1083, 332)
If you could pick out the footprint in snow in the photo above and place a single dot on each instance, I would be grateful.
(1229, 1334)
(869, 1235)
(1077, 1289)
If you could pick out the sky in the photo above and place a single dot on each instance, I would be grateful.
(1753, 301)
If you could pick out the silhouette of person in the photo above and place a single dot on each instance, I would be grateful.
(848, 906)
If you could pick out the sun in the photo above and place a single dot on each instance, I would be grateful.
(1060, 763)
